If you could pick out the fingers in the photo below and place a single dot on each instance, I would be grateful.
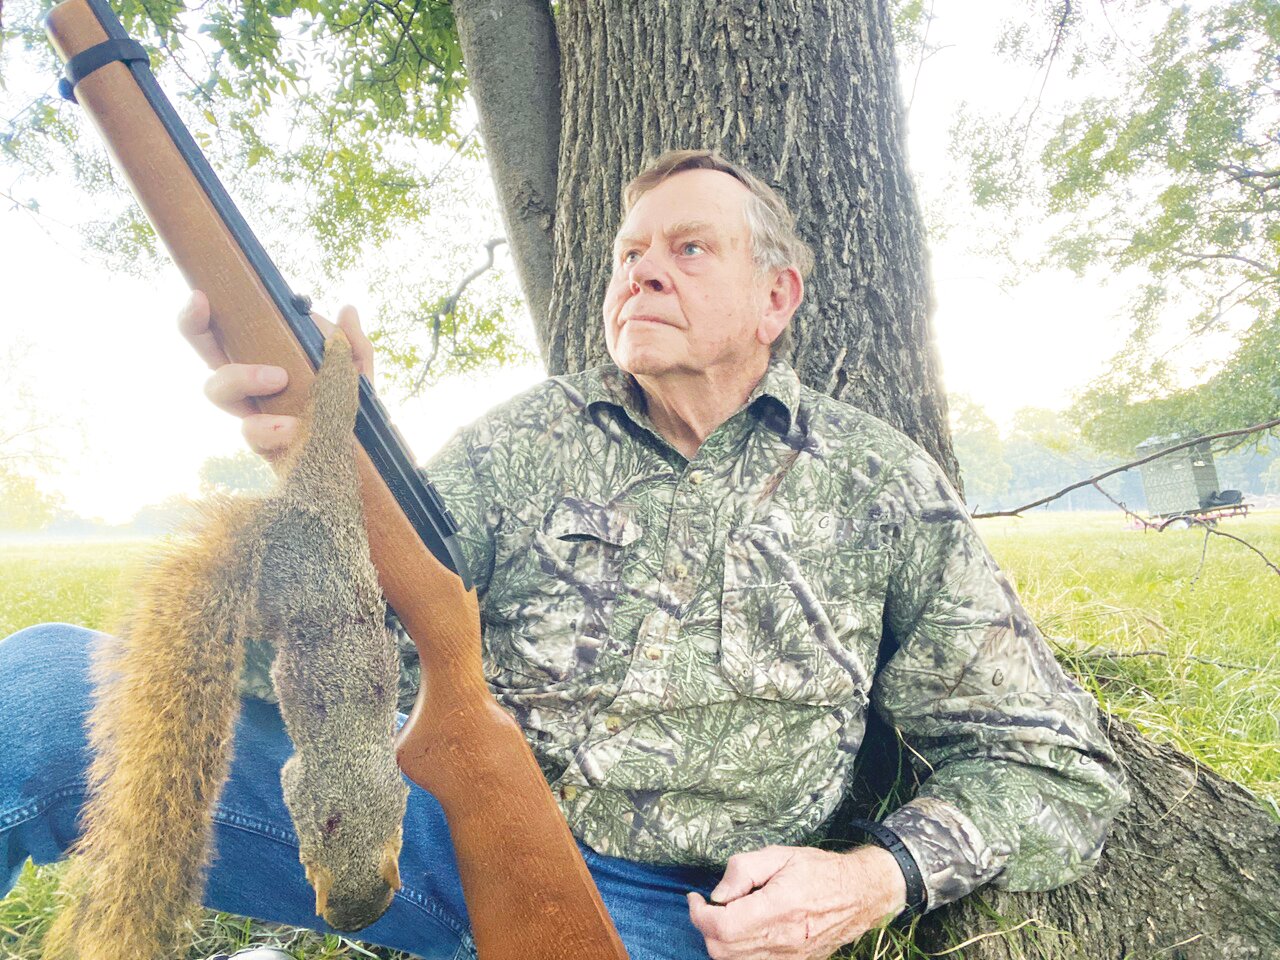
(731, 932)
(746, 871)
(193, 323)
(361, 346)
(705, 916)
(349, 324)
(269, 436)
(757, 927)
(232, 384)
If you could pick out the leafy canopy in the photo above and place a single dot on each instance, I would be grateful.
(340, 127)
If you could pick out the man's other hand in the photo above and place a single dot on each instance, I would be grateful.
(233, 385)
(797, 903)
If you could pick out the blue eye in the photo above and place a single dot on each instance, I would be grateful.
(630, 256)
(692, 248)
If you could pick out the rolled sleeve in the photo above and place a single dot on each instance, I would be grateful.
(1020, 783)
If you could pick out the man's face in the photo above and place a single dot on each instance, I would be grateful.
(685, 296)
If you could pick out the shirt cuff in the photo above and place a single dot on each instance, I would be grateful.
(947, 846)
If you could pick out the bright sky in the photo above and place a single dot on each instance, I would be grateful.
(107, 363)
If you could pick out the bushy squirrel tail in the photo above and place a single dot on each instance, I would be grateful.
(167, 696)
(161, 731)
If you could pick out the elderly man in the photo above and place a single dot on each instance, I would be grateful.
(687, 565)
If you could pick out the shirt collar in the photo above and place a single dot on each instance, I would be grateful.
(778, 390)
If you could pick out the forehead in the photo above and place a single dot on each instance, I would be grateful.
(706, 196)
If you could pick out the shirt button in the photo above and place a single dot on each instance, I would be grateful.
(681, 571)
(653, 653)
(613, 724)
(568, 791)
(697, 477)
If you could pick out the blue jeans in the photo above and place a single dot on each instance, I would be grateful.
(44, 699)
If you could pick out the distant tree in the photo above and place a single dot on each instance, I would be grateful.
(24, 506)
(24, 426)
(1271, 478)
(980, 451)
(1046, 452)
(242, 472)
(1246, 469)
(1174, 169)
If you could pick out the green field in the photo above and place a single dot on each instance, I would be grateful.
(1177, 635)
(1207, 678)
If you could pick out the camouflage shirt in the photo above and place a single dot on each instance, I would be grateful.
(690, 645)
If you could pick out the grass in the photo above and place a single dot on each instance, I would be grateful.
(1189, 653)
(1186, 650)
(64, 581)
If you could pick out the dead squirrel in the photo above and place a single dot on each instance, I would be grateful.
(292, 568)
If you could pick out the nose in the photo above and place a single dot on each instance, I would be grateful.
(647, 274)
(359, 911)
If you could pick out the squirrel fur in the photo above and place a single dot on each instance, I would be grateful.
(291, 568)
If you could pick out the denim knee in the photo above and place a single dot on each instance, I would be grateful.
(44, 700)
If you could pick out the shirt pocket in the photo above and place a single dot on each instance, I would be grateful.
(800, 617)
(562, 581)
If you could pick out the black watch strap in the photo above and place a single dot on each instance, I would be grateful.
(882, 836)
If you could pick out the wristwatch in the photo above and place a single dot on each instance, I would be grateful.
(882, 836)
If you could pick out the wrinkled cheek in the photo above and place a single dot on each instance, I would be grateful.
(613, 301)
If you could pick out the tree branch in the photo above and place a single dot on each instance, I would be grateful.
(1093, 481)
(1231, 536)
(1256, 264)
(446, 307)
(1240, 173)
(1059, 34)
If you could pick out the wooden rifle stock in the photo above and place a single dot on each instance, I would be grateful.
(529, 895)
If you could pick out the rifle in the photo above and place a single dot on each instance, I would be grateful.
(528, 892)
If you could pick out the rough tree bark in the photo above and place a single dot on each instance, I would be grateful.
(806, 94)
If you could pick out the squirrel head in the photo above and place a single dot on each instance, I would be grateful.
(352, 900)
(350, 850)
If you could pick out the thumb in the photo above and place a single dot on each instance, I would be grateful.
(361, 346)
(748, 871)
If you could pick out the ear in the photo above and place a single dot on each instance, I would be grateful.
(321, 879)
(785, 295)
(389, 868)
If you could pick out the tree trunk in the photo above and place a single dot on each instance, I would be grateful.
(513, 68)
(805, 94)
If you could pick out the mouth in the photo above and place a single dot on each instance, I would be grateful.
(646, 318)
(353, 915)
